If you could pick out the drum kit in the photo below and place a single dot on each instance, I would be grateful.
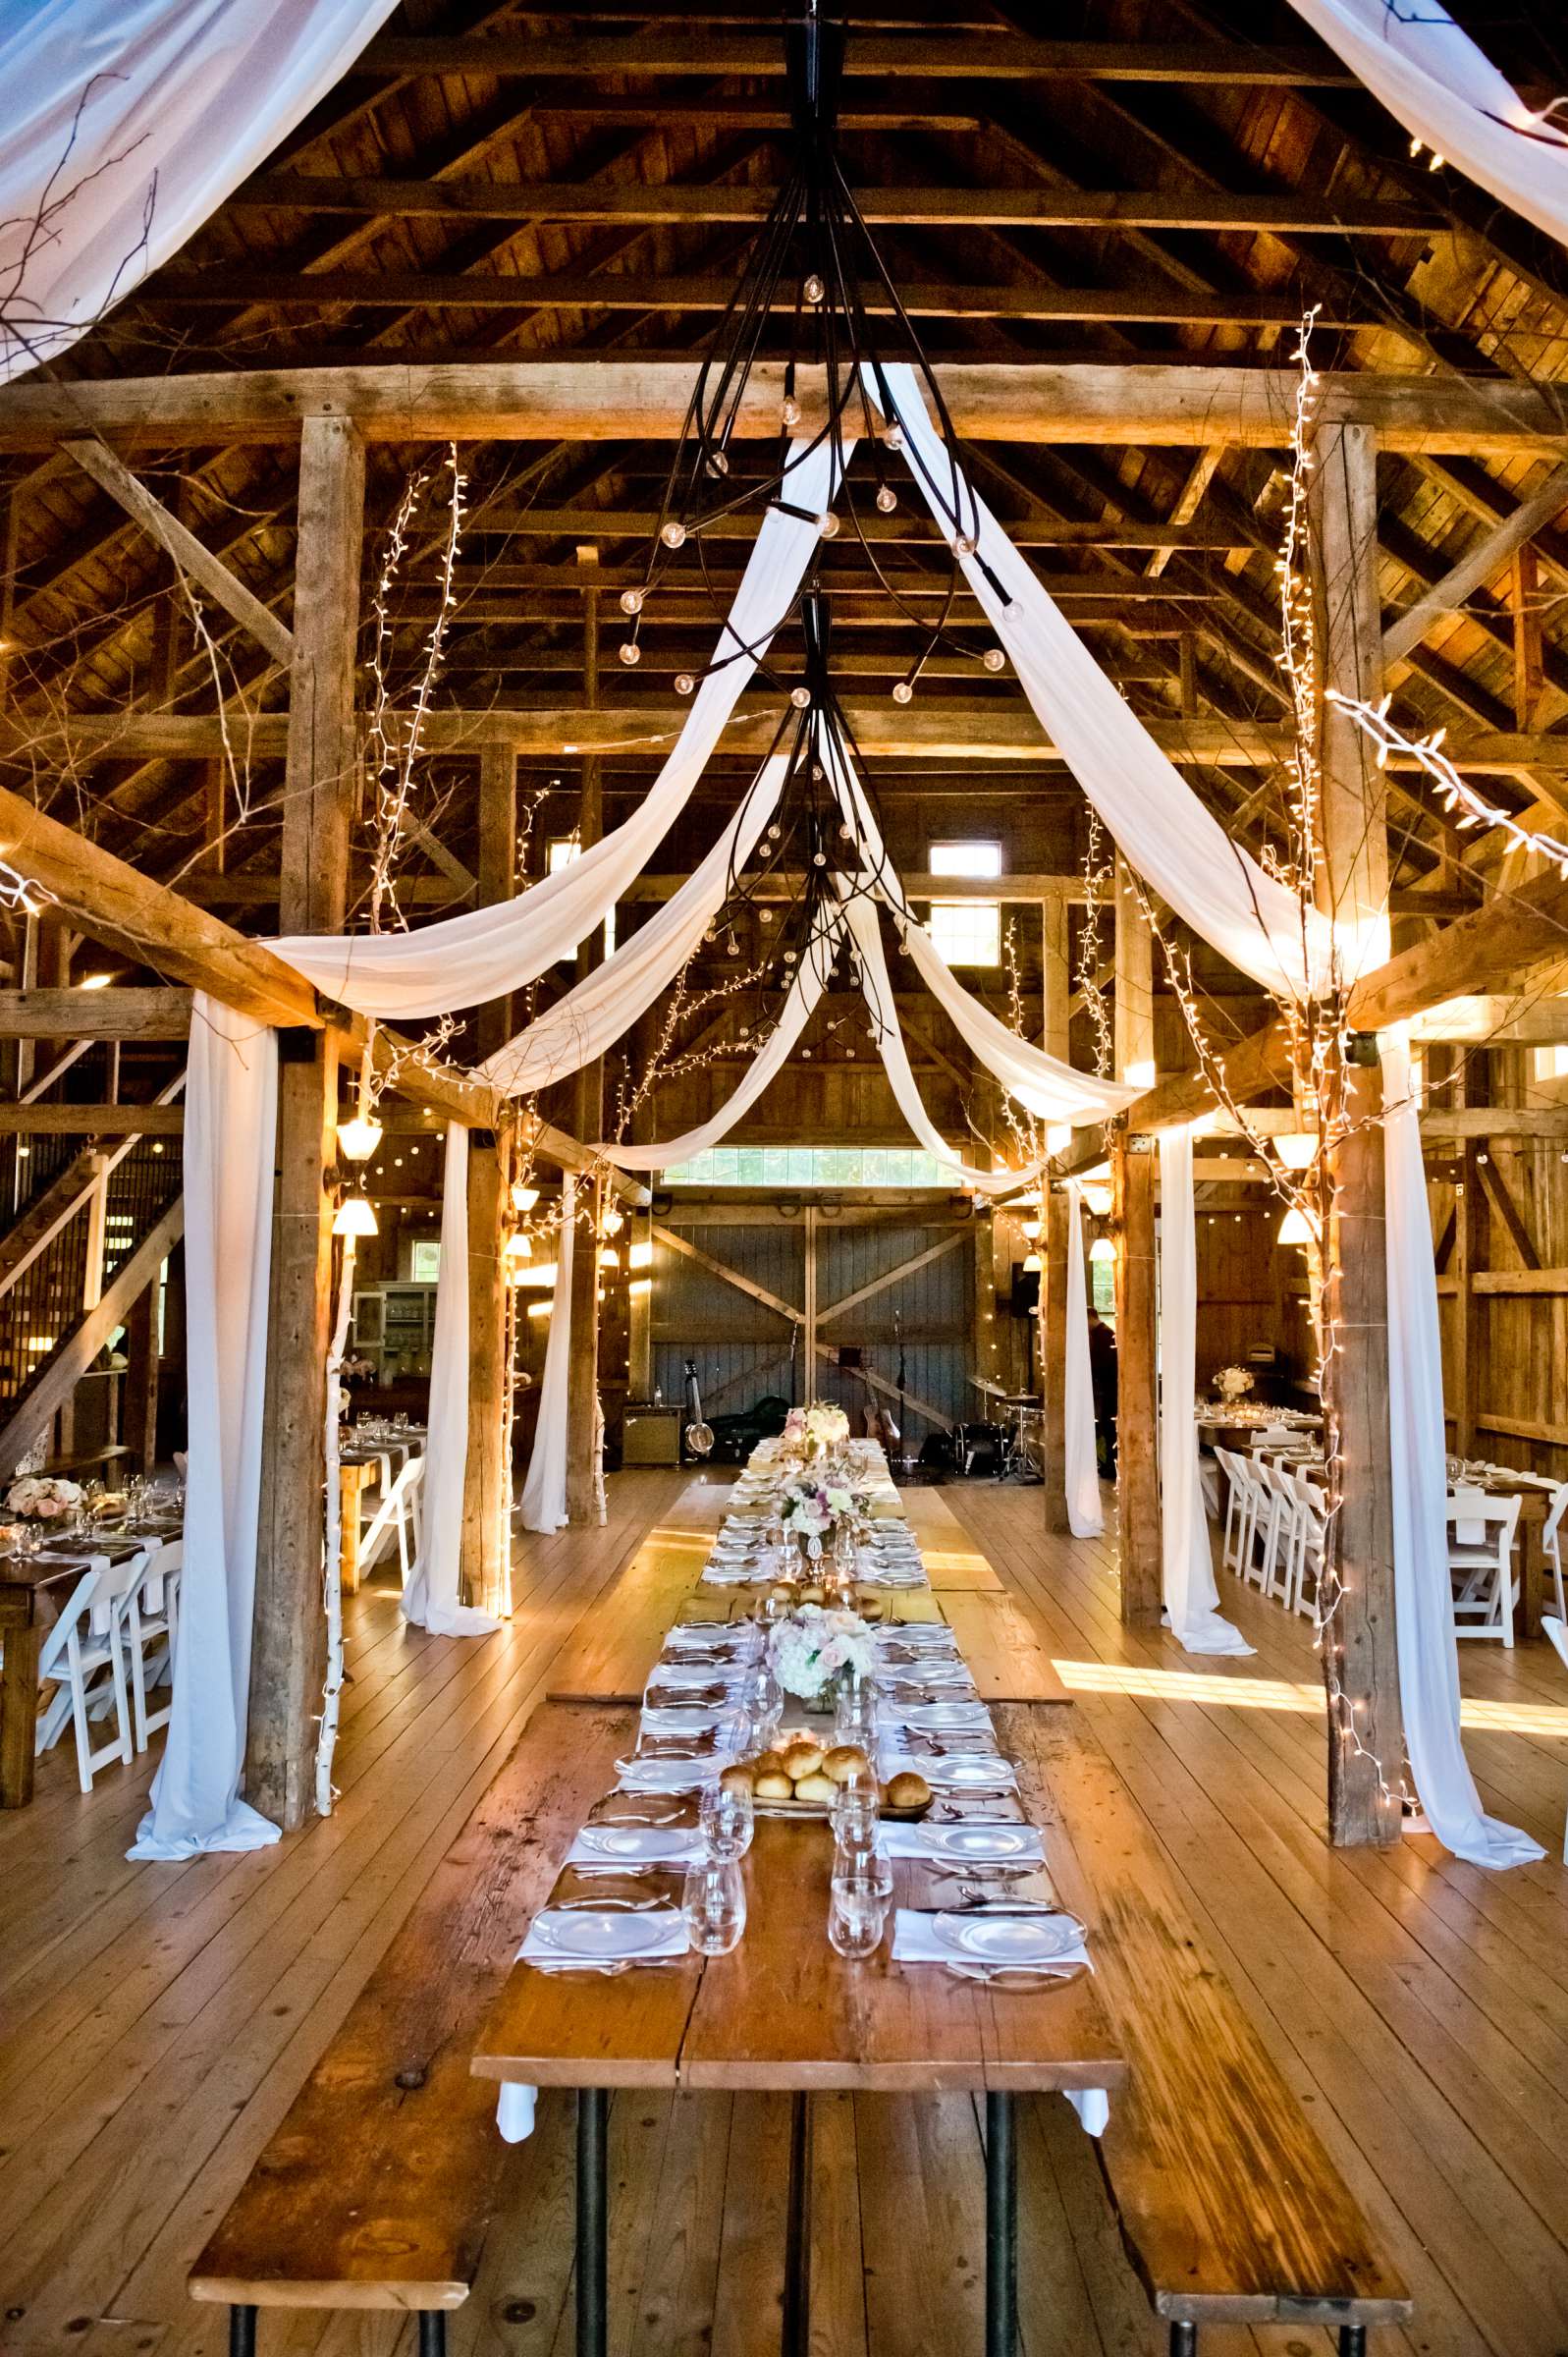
(999, 1445)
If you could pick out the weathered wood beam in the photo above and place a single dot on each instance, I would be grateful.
(1134, 1176)
(874, 57)
(91, 1121)
(910, 208)
(207, 571)
(112, 1013)
(1033, 530)
(628, 400)
(1487, 557)
(1153, 304)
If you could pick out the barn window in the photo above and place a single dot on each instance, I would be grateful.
(967, 932)
(562, 851)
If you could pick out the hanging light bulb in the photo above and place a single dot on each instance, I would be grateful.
(963, 544)
(904, 692)
(1297, 1149)
(826, 525)
(519, 1246)
(993, 658)
(523, 1198)
(355, 1216)
(613, 1221)
(684, 682)
(1030, 1229)
(1102, 1248)
(1296, 1227)
(631, 651)
(790, 409)
(887, 499)
(892, 439)
(813, 290)
(672, 533)
(631, 601)
(717, 462)
(1031, 1266)
(358, 1137)
(801, 697)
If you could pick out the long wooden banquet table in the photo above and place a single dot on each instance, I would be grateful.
(783, 2010)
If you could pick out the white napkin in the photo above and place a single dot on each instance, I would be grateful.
(1470, 1530)
(681, 1674)
(514, 2111)
(664, 1934)
(921, 1842)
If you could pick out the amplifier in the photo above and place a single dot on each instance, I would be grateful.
(650, 1435)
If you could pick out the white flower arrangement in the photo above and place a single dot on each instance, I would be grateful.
(1234, 1383)
(814, 1647)
(811, 1507)
(46, 1498)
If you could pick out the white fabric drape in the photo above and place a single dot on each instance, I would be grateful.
(865, 928)
(811, 979)
(580, 1027)
(127, 123)
(462, 962)
(1448, 94)
(1176, 844)
(431, 1598)
(1192, 1600)
(230, 1100)
(1428, 1653)
(1085, 1513)
(1052, 1091)
(544, 1493)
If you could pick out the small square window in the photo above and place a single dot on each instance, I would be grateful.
(562, 851)
(425, 1263)
(1551, 1063)
(967, 932)
(966, 859)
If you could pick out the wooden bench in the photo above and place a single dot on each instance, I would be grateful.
(1231, 2208)
(376, 2190)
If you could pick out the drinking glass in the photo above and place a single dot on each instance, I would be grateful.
(856, 1914)
(714, 1903)
(855, 1811)
(854, 1713)
(727, 1819)
(858, 1857)
(763, 1703)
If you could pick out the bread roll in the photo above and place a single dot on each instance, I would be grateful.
(766, 1763)
(813, 1592)
(815, 1787)
(802, 1757)
(844, 1762)
(737, 1779)
(775, 1785)
(909, 1790)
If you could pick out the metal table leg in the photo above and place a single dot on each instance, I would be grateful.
(1352, 2341)
(1183, 2340)
(593, 2267)
(241, 2333)
(432, 2333)
(796, 2334)
(1001, 2229)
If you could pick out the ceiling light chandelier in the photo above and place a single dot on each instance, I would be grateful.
(815, 263)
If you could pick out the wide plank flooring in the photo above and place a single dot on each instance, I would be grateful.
(155, 2022)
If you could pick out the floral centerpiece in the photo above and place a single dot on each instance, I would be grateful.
(812, 1506)
(1233, 1384)
(819, 1431)
(811, 1651)
(43, 1497)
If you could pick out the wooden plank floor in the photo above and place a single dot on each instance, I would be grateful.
(156, 2021)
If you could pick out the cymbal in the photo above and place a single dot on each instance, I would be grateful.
(992, 1391)
(1021, 1399)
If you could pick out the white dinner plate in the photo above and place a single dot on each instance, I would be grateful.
(969, 1772)
(596, 1932)
(1018, 1939)
(635, 1841)
(983, 1844)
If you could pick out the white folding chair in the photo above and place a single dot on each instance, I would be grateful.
(1481, 1544)
(1277, 1519)
(83, 1654)
(397, 1516)
(150, 1618)
(1557, 1631)
(1552, 1541)
(1309, 1540)
(1242, 1502)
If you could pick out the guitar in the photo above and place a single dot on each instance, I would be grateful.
(698, 1435)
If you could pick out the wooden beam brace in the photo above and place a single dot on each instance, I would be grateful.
(623, 400)
(677, 1242)
(188, 552)
(112, 1013)
(905, 1268)
(1489, 556)
(91, 1121)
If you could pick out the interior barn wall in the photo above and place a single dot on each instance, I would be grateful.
(1246, 1289)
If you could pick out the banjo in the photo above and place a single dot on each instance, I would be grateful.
(698, 1435)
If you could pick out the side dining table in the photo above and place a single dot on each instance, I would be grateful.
(782, 2011)
(33, 1588)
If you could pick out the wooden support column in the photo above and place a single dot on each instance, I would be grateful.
(1471, 1250)
(808, 1298)
(485, 1558)
(1358, 1646)
(582, 1365)
(1052, 1250)
(287, 1662)
(141, 1424)
(1133, 1220)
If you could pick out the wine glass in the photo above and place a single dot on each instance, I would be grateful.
(762, 1700)
(852, 1713)
(856, 1810)
(727, 1819)
(861, 1857)
(856, 1914)
(714, 1903)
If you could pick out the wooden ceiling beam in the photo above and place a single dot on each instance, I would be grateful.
(488, 199)
(728, 49)
(1036, 530)
(578, 399)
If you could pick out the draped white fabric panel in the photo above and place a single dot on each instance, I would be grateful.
(127, 123)
(865, 928)
(1428, 1653)
(606, 1002)
(1176, 844)
(230, 1101)
(431, 1598)
(544, 1493)
(1052, 1091)
(1085, 1513)
(1192, 1600)
(811, 979)
(1447, 93)
(465, 960)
